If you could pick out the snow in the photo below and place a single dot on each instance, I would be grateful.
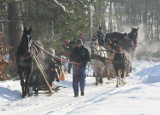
(140, 96)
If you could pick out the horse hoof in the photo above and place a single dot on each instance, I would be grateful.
(25, 96)
(101, 82)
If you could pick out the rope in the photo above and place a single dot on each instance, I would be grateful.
(63, 60)
(59, 59)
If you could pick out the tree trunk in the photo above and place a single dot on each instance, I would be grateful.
(12, 30)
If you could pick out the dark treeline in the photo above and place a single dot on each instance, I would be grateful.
(53, 21)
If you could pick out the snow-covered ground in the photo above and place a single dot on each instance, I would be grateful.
(140, 96)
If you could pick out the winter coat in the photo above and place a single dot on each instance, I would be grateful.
(101, 39)
(80, 55)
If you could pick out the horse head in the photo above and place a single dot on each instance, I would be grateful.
(133, 35)
(94, 45)
(115, 45)
(26, 40)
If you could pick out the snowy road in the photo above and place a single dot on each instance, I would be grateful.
(141, 96)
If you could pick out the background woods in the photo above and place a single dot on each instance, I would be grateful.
(53, 21)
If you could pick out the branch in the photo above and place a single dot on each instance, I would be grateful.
(60, 5)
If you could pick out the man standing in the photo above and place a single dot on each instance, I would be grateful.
(100, 36)
(80, 56)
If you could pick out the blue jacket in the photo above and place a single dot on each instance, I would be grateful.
(100, 37)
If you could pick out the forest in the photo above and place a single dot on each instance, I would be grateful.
(53, 21)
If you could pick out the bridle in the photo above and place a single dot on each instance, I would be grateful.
(29, 45)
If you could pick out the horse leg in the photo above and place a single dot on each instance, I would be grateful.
(21, 74)
(124, 75)
(117, 76)
(101, 80)
(37, 84)
(97, 76)
(128, 69)
(26, 86)
(108, 74)
(34, 82)
(101, 76)
(120, 76)
(30, 88)
(22, 84)
(28, 76)
(96, 79)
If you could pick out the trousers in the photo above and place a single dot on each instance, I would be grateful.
(79, 76)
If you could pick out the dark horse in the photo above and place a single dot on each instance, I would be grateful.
(121, 64)
(28, 70)
(120, 37)
(24, 61)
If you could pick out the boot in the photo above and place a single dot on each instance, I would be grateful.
(82, 93)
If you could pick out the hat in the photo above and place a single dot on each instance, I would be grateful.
(79, 41)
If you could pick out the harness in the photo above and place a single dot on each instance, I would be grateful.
(101, 54)
(100, 58)
(123, 60)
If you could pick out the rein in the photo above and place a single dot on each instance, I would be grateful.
(121, 52)
(27, 57)
(57, 58)
(62, 60)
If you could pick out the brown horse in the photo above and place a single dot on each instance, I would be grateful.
(121, 63)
